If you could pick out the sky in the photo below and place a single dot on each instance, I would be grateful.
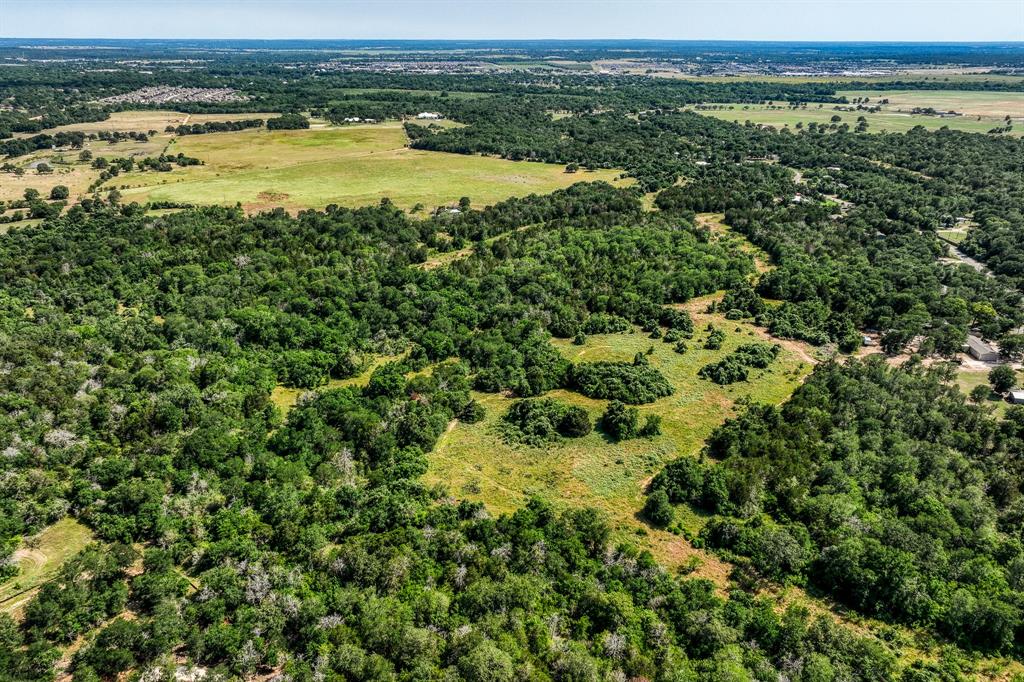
(813, 20)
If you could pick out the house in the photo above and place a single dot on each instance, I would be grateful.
(429, 115)
(980, 350)
(352, 119)
(867, 340)
(1017, 396)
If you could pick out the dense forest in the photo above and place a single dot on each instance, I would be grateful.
(880, 485)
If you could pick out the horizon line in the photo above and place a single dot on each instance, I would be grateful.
(546, 39)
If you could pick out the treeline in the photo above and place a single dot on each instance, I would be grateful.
(214, 127)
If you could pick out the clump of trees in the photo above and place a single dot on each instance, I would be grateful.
(633, 383)
(288, 122)
(539, 421)
(736, 366)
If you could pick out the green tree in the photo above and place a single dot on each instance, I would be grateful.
(658, 510)
(1002, 378)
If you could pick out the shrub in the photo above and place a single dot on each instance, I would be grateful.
(620, 422)
(658, 510)
(715, 339)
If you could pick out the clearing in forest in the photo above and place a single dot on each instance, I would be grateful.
(475, 462)
(349, 166)
(39, 558)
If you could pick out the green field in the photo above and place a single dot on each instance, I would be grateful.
(349, 166)
(889, 119)
(39, 558)
(150, 119)
(475, 463)
(991, 105)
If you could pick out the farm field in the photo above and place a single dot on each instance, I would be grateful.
(886, 120)
(143, 121)
(993, 105)
(38, 561)
(349, 166)
(475, 463)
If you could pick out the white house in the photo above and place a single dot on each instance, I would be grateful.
(431, 115)
(1017, 396)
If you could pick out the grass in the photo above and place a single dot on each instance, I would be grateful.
(475, 463)
(991, 105)
(350, 166)
(143, 121)
(39, 558)
(284, 398)
(968, 379)
(28, 222)
(888, 119)
(956, 235)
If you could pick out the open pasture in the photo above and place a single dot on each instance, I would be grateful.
(475, 463)
(988, 105)
(888, 120)
(155, 119)
(349, 166)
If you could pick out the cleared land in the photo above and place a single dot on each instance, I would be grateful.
(474, 462)
(889, 119)
(157, 119)
(39, 558)
(970, 103)
(349, 166)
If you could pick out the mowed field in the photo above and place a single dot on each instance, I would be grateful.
(39, 560)
(474, 462)
(983, 111)
(348, 166)
(144, 121)
(970, 103)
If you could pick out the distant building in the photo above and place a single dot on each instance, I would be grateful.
(430, 115)
(980, 350)
(1017, 396)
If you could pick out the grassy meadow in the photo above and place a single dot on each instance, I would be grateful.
(474, 462)
(349, 166)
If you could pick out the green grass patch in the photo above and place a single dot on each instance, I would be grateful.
(968, 379)
(38, 559)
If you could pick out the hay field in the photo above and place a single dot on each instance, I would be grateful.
(991, 105)
(888, 120)
(349, 166)
(146, 120)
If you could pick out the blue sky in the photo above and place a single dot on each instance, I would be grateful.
(912, 20)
